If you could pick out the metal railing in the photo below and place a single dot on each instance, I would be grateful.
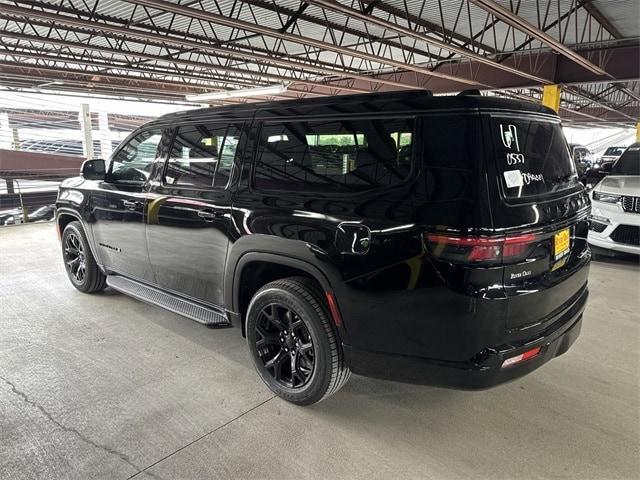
(30, 196)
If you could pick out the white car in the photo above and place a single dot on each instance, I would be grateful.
(615, 212)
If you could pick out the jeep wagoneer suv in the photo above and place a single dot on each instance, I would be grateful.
(438, 240)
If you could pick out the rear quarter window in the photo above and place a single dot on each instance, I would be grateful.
(334, 156)
(532, 157)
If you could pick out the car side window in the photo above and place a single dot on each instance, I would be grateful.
(134, 161)
(202, 155)
(334, 156)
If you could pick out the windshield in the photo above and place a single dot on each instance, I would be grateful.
(628, 163)
(532, 157)
(614, 151)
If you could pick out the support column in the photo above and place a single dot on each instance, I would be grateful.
(638, 132)
(85, 125)
(551, 97)
(11, 188)
(105, 136)
(16, 139)
(5, 131)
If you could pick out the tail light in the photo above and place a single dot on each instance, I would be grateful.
(521, 358)
(475, 249)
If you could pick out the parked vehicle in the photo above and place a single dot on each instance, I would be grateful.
(592, 176)
(9, 215)
(610, 155)
(437, 240)
(42, 214)
(615, 219)
(581, 157)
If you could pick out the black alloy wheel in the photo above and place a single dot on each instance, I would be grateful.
(74, 257)
(294, 345)
(285, 346)
(82, 269)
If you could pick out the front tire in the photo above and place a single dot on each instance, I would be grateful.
(81, 267)
(293, 344)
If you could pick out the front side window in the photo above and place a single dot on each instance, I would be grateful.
(532, 157)
(133, 162)
(202, 155)
(334, 156)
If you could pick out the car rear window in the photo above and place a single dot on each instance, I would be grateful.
(614, 151)
(532, 157)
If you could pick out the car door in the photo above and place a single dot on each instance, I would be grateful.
(119, 206)
(189, 211)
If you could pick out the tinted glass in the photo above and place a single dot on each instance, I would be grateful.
(628, 163)
(202, 155)
(451, 163)
(334, 156)
(614, 151)
(532, 157)
(449, 157)
(133, 163)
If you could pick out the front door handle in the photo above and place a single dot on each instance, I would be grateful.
(128, 204)
(209, 215)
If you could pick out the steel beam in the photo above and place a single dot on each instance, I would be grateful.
(299, 39)
(515, 21)
(232, 54)
(352, 13)
(621, 61)
(444, 33)
(178, 61)
(279, 9)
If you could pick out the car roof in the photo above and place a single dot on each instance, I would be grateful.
(369, 103)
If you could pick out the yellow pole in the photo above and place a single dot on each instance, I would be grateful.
(551, 97)
(638, 132)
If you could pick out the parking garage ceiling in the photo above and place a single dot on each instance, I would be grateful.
(167, 49)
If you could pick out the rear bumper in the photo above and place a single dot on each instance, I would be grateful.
(484, 371)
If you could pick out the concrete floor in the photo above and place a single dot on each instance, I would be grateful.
(103, 386)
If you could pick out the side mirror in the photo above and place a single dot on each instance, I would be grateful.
(93, 169)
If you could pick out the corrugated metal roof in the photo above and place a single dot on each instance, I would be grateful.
(623, 14)
(563, 20)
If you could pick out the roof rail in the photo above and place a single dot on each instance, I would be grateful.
(469, 92)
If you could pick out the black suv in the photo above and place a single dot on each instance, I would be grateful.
(437, 240)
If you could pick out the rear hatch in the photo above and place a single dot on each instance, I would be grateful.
(536, 200)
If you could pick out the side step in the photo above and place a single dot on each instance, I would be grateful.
(207, 316)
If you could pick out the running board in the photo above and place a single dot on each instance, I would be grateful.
(210, 317)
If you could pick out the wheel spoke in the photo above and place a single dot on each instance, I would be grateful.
(276, 363)
(294, 370)
(284, 345)
(267, 338)
(276, 318)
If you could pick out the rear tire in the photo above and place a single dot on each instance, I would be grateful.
(81, 267)
(294, 347)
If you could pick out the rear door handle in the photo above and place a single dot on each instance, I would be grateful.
(209, 215)
(130, 205)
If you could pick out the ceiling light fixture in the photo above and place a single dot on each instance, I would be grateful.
(245, 92)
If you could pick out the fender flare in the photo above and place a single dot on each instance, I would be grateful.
(232, 293)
